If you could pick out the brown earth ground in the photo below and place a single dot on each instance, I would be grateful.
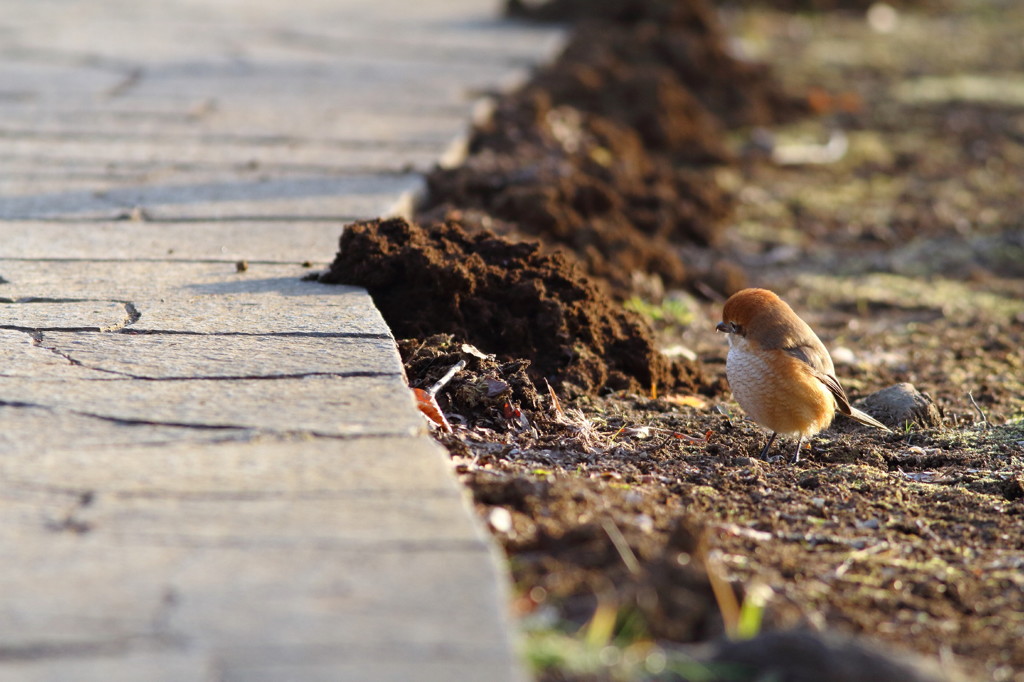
(909, 252)
(627, 517)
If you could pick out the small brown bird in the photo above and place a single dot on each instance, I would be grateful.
(779, 370)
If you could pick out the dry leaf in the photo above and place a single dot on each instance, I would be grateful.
(431, 410)
(687, 401)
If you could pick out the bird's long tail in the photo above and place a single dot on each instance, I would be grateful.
(864, 418)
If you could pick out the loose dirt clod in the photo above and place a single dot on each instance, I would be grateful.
(477, 395)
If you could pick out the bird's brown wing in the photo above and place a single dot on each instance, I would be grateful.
(820, 368)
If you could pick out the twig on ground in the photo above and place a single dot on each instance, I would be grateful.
(621, 546)
(984, 419)
(456, 368)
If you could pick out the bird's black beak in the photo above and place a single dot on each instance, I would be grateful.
(725, 328)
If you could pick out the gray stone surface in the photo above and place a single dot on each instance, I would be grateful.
(192, 298)
(180, 356)
(299, 197)
(212, 473)
(38, 429)
(155, 666)
(292, 240)
(323, 406)
(256, 468)
(86, 315)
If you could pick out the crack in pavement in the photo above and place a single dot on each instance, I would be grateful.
(132, 314)
(65, 649)
(29, 330)
(49, 299)
(241, 428)
(130, 421)
(227, 139)
(127, 216)
(443, 546)
(240, 377)
(84, 497)
(357, 374)
(39, 341)
(312, 433)
(128, 83)
(308, 264)
(298, 335)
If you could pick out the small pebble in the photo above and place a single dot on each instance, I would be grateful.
(500, 520)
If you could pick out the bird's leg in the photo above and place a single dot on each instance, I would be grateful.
(799, 444)
(764, 453)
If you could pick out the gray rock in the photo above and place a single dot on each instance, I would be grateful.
(901, 404)
(802, 656)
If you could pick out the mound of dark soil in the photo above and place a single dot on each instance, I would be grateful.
(584, 185)
(506, 298)
(606, 65)
(604, 153)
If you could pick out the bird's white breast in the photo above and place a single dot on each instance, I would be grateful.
(773, 392)
(750, 377)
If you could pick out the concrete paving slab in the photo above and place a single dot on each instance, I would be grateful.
(153, 587)
(154, 595)
(112, 602)
(40, 429)
(323, 406)
(79, 159)
(271, 311)
(406, 81)
(211, 474)
(25, 78)
(176, 356)
(63, 313)
(87, 356)
(431, 125)
(428, 521)
(167, 30)
(300, 466)
(427, 670)
(287, 241)
(22, 357)
(348, 609)
(156, 666)
(203, 298)
(341, 198)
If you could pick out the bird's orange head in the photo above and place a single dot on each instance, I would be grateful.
(762, 317)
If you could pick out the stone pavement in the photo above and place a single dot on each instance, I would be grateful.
(216, 473)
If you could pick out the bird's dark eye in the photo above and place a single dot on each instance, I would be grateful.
(738, 329)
